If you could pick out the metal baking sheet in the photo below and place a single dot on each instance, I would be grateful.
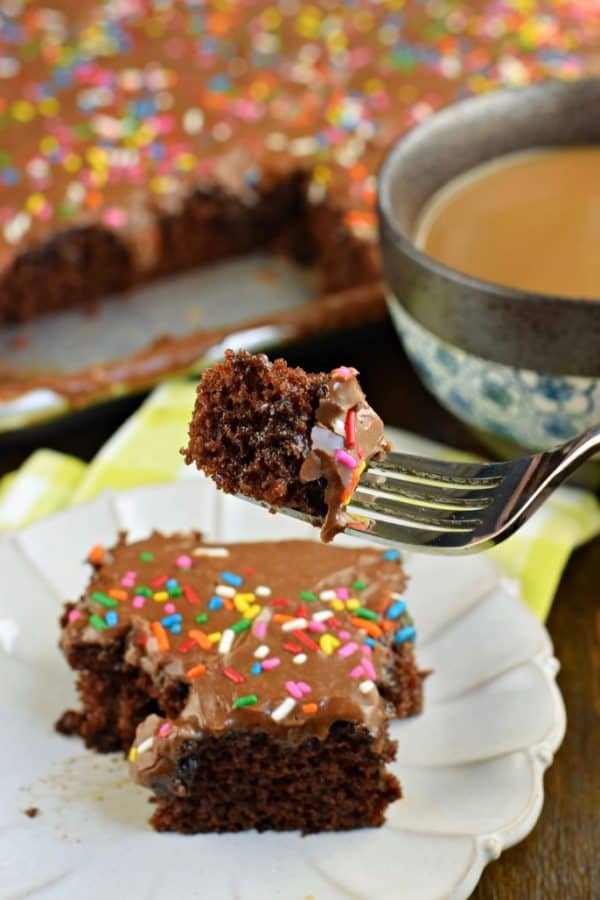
(215, 296)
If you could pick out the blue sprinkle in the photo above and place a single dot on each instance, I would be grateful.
(171, 583)
(391, 554)
(256, 668)
(408, 633)
(396, 610)
(215, 603)
(176, 628)
(174, 619)
(230, 578)
(111, 617)
(369, 641)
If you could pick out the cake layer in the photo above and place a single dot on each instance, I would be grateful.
(292, 650)
(283, 436)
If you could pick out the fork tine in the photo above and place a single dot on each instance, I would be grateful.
(442, 495)
(424, 538)
(476, 475)
(461, 519)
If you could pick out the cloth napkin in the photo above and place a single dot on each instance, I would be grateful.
(145, 451)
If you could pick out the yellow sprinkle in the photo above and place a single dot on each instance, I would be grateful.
(72, 162)
(186, 162)
(161, 596)
(215, 637)
(133, 754)
(328, 643)
(23, 110)
(338, 605)
(252, 611)
(49, 106)
(242, 602)
(96, 157)
(48, 144)
(34, 203)
(352, 603)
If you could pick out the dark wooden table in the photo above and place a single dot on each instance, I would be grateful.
(560, 859)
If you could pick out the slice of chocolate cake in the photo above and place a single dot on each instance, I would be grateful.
(283, 436)
(249, 672)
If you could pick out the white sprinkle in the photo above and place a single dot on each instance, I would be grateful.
(293, 624)
(226, 640)
(17, 227)
(276, 141)
(327, 595)
(299, 658)
(211, 551)
(262, 651)
(193, 120)
(365, 687)
(224, 590)
(146, 745)
(263, 591)
(221, 131)
(396, 596)
(322, 615)
(283, 709)
(75, 193)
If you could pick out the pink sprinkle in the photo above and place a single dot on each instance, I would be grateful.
(348, 649)
(344, 372)
(259, 629)
(114, 217)
(342, 593)
(271, 663)
(293, 690)
(73, 614)
(366, 650)
(170, 607)
(304, 687)
(357, 672)
(164, 729)
(138, 601)
(184, 562)
(369, 668)
(346, 460)
(344, 635)
(316, 626)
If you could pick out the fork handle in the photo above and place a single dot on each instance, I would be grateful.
(557, 465)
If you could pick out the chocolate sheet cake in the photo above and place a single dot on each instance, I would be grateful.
(140, 139)
(283, 436)
(233, 675)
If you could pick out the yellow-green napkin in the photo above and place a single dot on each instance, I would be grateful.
(145, 450)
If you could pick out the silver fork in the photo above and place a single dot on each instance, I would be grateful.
(449, 507)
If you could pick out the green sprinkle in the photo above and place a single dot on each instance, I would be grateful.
(201, 619)
(309, 596)
(104, 599)
(175, 592)
(408, 618)
(242, 625)
(248, 700)
(98, 623)
(144, 591)
(146, 556)
(359, 585)
(366, 614)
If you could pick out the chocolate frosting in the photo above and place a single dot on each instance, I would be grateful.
(282, 637)
(347, 434)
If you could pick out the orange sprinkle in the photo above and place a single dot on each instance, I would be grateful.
(282, 617)
(117, 594)
(371, 628)
(161, 636)
(96, 554)
(387, 625)
(201, 638)
(228, 604)
(196, 671)
(309, 709)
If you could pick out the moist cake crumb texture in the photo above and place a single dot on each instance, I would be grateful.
(283, 436)
(233, 673)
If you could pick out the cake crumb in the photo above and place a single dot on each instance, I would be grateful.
(32, 812)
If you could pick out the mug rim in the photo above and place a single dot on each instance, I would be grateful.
(388, 220)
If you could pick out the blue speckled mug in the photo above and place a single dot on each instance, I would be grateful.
(518, 366)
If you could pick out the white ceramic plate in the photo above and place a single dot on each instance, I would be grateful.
(471, 766)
